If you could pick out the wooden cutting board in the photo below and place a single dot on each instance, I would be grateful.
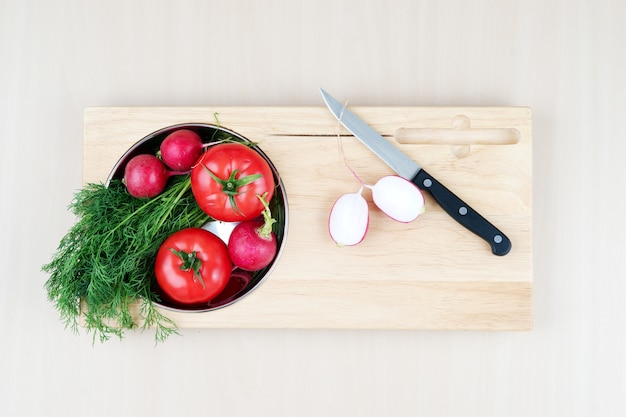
(429, 274)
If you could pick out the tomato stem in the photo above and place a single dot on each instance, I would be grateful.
(232, 184)
(191, 262)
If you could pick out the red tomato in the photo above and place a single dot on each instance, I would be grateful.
(227, 179)
(192, 266)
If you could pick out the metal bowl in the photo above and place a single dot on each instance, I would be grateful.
(241, 282)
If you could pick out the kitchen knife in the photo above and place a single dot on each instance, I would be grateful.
(408, 169)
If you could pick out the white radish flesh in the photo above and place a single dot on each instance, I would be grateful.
(398, 198)
(349, 219)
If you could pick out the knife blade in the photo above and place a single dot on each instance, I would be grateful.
(407, 168)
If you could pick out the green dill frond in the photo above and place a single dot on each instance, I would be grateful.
(106, 260)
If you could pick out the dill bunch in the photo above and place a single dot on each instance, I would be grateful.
(105, 262)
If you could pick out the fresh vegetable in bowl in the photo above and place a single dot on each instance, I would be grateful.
(106, 260)
(192, 266)
(227, 179)
(146, 176)
(181, 149)
(252, 244)
(103, 276)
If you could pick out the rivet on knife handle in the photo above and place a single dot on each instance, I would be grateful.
(463, 213)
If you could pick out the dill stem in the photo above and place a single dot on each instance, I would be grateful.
(106, 258)
(172, 205)
(128, 218)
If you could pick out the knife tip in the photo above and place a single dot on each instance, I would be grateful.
(325, 95)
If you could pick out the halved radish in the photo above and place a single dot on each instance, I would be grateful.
(398, 198)
(349, 219)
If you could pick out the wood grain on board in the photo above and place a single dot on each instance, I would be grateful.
(428, 274)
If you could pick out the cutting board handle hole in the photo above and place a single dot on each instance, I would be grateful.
(460, 136)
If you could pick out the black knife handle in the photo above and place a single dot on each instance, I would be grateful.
(463, 213)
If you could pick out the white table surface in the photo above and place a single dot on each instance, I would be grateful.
(565, 59)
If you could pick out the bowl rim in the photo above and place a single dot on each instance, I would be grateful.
(255, 282)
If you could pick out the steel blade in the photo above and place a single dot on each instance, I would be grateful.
(391, 155)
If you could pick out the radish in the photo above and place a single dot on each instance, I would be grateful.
(398, 198)
(181, 149)
(349, 219)
(146, 176)
(252, 244)
(395, 196)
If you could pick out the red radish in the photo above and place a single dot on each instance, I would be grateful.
(181, 149)
(145, 176)
(349, 219)
(252, 244)
(398, 198)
